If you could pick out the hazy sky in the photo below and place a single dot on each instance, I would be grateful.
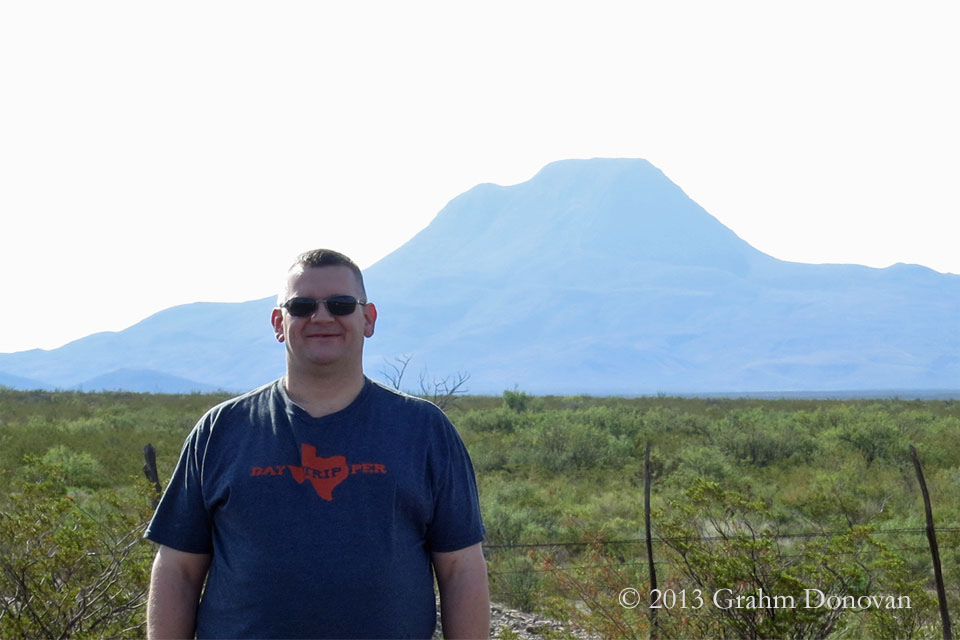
(153, 154)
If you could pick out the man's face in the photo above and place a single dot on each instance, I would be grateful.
(324, 340)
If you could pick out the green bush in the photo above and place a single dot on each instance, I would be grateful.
(759, 438)
(516, 400)
(728, 541)
(517, 583)
(560, 442)
(874, 435)
(700, 461)
(71, 566)
(79, 469)
(500, 420)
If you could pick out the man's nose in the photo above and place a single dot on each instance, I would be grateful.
(322, 314)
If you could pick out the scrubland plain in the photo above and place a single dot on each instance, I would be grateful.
(760, 509)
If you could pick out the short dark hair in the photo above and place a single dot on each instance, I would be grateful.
(327, 258)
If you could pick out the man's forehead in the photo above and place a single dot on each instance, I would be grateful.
(332, 274)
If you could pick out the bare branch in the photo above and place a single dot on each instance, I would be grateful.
(442, 392)
(393, 372)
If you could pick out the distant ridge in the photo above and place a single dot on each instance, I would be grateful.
(216, 345)
(19, 382)
(595, 276)
(144, 381)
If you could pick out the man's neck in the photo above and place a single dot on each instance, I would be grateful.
(321, 395)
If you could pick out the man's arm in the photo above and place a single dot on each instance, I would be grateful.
(175, 585)
(464, 593)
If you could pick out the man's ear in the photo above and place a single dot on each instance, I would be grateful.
(370, 319)
(276, 319)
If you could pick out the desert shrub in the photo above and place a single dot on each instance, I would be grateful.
(874, 435)
(672, 422)
(759, 438)
(558, 442)
(500, 420)
(71, 566)
(489, 452)
(589, 589)
(702, 461)
(517, 582)
(79, 468)
(847, 495)
(943, 434)
(615, 421)
(516, 400)
(726, 540)
(515, 512)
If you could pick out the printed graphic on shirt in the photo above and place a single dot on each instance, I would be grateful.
(323, 473)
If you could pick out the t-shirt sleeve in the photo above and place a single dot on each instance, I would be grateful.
(457, 522)
(181, 520)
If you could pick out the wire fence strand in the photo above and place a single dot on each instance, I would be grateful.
(635, 541)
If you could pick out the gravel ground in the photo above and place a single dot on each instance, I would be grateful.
(510, 623)
(526, 625)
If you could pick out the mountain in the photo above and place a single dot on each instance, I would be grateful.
(143, 381)
(596, 276)
(215, 345)
(18, 382)
(602, 276)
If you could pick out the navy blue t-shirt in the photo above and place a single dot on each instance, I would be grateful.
(320, 527)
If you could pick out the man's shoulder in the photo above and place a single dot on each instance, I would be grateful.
(243, 404)
(401, 401)
(412, 416)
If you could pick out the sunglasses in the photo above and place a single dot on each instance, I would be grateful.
(336, 305)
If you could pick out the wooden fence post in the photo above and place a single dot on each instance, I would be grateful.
(934, 550)
(150, 470)
(652, 569)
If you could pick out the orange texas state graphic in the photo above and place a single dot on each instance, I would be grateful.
(323, 473)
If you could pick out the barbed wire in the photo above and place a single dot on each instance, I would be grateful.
(667, 541)
(662, 540)
(661, 563)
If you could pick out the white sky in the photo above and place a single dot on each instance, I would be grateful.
(153, 154)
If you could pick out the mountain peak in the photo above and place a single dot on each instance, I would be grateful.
(574, 168)
(573, 214)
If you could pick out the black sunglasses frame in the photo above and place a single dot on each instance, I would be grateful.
(302, 307)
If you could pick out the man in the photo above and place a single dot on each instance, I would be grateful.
(316, 505)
